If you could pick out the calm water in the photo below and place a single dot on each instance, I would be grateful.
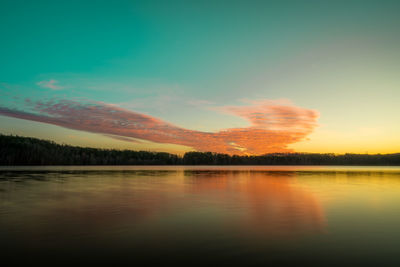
(348, 216)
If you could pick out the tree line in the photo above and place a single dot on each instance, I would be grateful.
(17, 150)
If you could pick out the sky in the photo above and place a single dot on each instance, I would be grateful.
(236, 77)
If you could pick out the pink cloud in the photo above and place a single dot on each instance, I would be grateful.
(51, 84)
(273, 126)
(275, 115)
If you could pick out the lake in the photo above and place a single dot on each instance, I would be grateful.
(231, 215)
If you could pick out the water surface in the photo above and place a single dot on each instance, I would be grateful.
(286, 215)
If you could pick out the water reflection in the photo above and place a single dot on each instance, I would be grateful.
(238, 216)
(269, 203)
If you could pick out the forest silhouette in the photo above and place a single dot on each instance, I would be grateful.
(17, 150)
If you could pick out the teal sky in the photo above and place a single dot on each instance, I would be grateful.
(189, 62)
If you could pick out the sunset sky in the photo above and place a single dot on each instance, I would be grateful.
(237, 77)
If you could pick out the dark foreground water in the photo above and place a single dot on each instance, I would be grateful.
(300, 216)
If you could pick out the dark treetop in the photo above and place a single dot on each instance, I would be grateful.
(16, 150)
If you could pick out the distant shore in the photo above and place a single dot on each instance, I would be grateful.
(23, 151)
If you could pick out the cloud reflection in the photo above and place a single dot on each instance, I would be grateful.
(268, 204)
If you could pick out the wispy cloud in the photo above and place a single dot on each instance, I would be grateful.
(278, 115)
(51, 84)
(273, 127)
